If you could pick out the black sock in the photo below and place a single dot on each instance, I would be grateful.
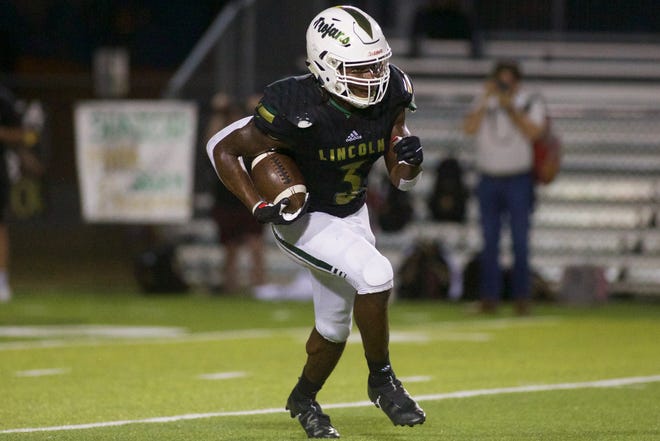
(380, 372)
(306, 388)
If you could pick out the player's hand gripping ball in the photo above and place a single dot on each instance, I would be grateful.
(280, 183)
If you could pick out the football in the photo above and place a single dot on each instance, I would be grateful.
(277, 176)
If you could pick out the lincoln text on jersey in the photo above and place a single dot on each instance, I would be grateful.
(352, 151)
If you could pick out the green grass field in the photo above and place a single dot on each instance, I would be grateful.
(118, 366)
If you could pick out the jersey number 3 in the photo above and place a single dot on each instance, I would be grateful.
(355, 182)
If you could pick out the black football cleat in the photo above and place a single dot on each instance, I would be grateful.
(397, 404)
(311, 417)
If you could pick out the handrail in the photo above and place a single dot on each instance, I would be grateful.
(205, 45)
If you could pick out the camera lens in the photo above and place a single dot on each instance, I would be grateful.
(502, 86)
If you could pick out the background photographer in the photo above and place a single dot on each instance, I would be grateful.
(506, 120)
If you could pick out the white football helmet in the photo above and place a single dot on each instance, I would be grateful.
(347, 52)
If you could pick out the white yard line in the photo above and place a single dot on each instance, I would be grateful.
(222, 375)
(88, 335)
(426, 337)
(615, 382)
(498, 323)
(134, 335)
(200, 336)
(105, 331)
(416, 379)
(42, 372)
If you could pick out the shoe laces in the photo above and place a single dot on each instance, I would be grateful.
(395, 392)
(313, 409)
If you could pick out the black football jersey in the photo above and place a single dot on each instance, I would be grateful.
(334, 148)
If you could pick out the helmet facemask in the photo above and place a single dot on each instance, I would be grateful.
(361, 83)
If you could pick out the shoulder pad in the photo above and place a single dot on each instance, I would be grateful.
(402, 87)
(288, 105)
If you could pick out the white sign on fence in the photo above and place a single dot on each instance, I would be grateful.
(136, 160)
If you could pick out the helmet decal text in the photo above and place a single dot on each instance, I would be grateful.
(329, 30)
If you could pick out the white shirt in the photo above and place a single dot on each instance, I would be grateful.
(502, 149)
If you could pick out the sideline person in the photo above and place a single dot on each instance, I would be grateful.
(506, 119)
(12, 135)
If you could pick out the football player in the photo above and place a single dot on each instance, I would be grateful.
(20, 139)
(336, 121)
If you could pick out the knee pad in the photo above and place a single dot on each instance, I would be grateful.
(335, 329)
(366, 269)
(377, 275)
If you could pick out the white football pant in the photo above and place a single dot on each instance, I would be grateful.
(343, 260)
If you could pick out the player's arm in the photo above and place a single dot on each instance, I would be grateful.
(404, 157)
(246, 141)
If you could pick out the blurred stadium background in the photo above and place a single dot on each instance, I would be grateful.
(597, 64)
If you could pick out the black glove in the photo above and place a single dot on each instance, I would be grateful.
(266, 212)
(409, 150)
(270, 213)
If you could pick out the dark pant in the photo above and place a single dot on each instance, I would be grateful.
(503, 198)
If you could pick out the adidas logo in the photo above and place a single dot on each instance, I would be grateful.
(354, 136)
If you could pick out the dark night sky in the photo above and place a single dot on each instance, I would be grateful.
(158, 33)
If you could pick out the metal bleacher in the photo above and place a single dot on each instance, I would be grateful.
(602, 209)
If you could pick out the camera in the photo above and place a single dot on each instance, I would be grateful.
(502, 86)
